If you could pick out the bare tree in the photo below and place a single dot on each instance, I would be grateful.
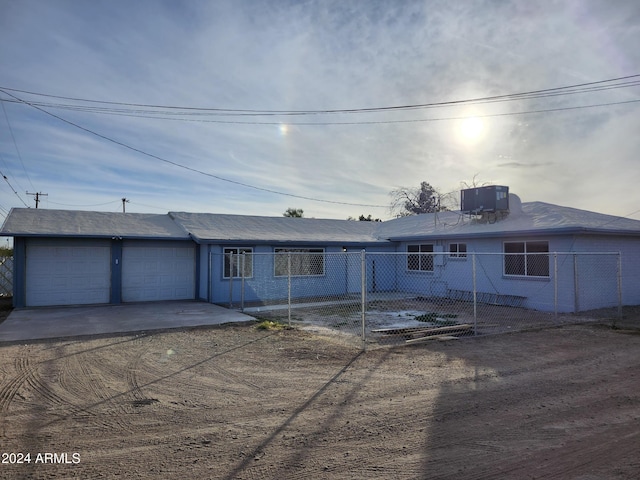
(414, 201)
(474, 183)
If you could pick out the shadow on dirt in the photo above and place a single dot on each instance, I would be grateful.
(551, 406)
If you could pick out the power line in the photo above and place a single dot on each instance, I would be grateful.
(327, 123)
(13, 189)
(151, 206)
(16, 144)
(179, 165)
(377, 122)
(541, 93)
(86, 205)
(624, 82)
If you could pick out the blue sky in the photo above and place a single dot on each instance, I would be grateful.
(315, 56)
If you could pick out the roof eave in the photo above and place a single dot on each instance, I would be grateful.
(255, 241)
(98, 237)
(517, 233)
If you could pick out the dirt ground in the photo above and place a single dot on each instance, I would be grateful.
(236, 402)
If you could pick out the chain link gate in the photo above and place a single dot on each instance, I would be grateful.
(369, 299)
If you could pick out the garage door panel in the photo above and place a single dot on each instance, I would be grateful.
(63, 272)
(151, 273)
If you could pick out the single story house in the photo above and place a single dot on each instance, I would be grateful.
(68, 257)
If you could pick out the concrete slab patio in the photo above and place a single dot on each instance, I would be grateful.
(56, 322)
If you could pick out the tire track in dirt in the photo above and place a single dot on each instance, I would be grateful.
(10, 389)
(33, 378)
(228, 375)
(87, 380)
(132, 369)
(28, 375)
(477, 447)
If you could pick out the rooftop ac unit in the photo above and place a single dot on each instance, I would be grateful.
(493, 198)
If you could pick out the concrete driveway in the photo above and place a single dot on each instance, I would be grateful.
(55, 322)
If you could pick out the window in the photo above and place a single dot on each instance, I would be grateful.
(235, 256)
(417, 258)
(529, 259)
(457, 250)
(304, 261)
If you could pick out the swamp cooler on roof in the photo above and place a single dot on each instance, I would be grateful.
(494, 198)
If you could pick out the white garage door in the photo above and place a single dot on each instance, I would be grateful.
(66, 272)
(157, 272)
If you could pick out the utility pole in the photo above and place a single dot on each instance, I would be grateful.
(38, 195)
(124, 201)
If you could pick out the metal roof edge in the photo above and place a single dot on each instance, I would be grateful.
(97, 237)
(346, 243)
(495, 234)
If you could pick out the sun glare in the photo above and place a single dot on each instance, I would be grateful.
(471, 130)
(284, 129)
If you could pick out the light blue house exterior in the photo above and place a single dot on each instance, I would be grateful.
(539, 256)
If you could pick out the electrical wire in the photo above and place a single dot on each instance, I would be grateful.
(85, 205)
(16, 146)
(195, 170)
(372, 122)
(623, 82)
(151, 206)
(565, 90)
(13, 189)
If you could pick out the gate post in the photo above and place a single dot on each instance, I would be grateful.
(230, 280)
(289, 287)
(555, 286)
(242, 282)
(363, 295)
(619, 287)
(475, 294)
(576, 285)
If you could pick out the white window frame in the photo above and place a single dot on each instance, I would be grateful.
(458, 251)
(237, 255)
(302, 260)
(527, 256)
(425, 257)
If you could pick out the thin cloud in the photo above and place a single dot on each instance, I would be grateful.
(523, 165)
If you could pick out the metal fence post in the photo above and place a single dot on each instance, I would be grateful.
(576, 288)
(242, 282)
(475, 294)
(230, 280)
(619, 288)
(289, 287)
(209, 277)
(363, 295)
(555, 286)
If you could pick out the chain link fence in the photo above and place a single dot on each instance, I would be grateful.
(370, 299)
(6, 276)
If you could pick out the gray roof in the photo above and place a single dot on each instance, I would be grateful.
(532, 218)
(529, 218)
(37, 222)
(208, 227)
